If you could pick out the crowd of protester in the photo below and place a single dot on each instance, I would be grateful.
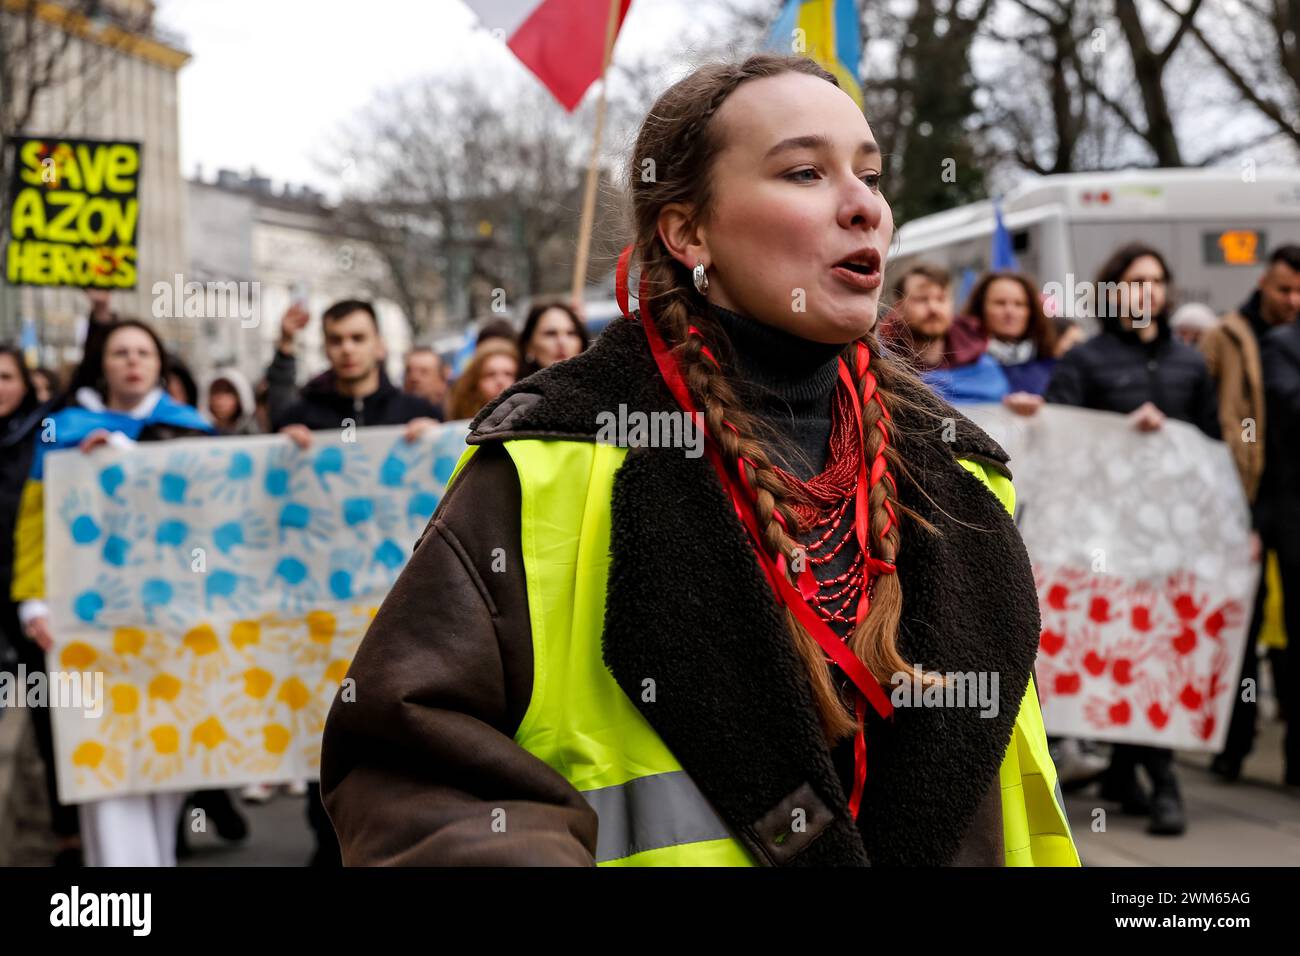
(1236, 378)
(1004, 346)
(129, 388)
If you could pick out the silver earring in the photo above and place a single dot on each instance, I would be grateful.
(700, 279)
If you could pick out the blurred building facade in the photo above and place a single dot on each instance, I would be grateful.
(284, 243)
(116, 78)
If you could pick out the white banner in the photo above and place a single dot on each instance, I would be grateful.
(1141, 553)
(216, 589)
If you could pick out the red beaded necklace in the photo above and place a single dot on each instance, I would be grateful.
(822, 502)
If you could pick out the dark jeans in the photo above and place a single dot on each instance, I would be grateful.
(1157, 761)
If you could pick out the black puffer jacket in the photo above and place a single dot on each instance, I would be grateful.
(321, 405)
(1116, 371)
(1278, 504)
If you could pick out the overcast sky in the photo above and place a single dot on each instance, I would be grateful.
(271, 79)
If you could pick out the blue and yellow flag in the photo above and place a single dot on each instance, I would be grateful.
(827, 31)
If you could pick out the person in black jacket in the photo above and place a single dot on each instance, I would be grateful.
(1277, 507)
(1137, 367)
(355, 389)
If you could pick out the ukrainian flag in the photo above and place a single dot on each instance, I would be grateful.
(827, 31)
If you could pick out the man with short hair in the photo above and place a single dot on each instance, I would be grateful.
(425, 376)
(355, 389)
(948, 351)
(1233, 353)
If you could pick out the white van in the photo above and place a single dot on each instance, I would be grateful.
(1215, 227)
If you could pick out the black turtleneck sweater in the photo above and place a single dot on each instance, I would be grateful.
(789, 383)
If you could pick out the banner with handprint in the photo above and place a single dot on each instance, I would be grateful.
(220, 587)
(1140, 543)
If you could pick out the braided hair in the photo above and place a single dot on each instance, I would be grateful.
(678, 134)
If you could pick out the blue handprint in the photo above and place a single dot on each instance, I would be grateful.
(284, 472)
(344, 565)
(178, 480)
(236, 477)
(124, 531)
(173, 600)
(239, 591)
(75, 512)
(419, 507)
(170, 533)
(385, 563)
(443, 466)
(313, 523)
(250, 532)
(362, 512)
(349, 465)
(297, 589)
(401, 458)
(109, 594)
(111, 479)
(389, 555)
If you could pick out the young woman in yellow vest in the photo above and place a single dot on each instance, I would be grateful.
(729, 588)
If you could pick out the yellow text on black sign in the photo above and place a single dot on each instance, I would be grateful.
(74, 210)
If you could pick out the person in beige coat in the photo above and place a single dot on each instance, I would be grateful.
(1232, 351)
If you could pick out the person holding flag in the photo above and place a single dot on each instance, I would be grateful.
(631, 654)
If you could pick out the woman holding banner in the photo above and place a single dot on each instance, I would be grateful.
(736, 652)
(1136, 367)
(126, 404)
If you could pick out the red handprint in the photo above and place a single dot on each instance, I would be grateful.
(1051, 641)
(1185, 641)
(1058, 596)
(1125, 658)
(1107, 713)
(1183, 596)
(1099, 609)
(1205, 726)
(1061, 682)
(1067, 683)
(1093, 660)
(1215, 685)
(1228, 614)
(1154, 704)
(1142, 599)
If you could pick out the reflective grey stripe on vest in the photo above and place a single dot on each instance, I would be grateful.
(648, 813)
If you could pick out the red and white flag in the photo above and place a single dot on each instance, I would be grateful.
(562, 41)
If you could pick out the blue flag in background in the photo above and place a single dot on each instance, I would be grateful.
(827, 31)
(1004, 259)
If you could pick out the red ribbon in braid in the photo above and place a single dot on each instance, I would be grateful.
(742, 498)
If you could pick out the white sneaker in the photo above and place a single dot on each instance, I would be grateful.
(256, 793)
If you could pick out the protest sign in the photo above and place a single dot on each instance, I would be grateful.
(1140, 543)
(221, 586)
(74, 208)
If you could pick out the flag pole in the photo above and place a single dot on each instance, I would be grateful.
(589, 197)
